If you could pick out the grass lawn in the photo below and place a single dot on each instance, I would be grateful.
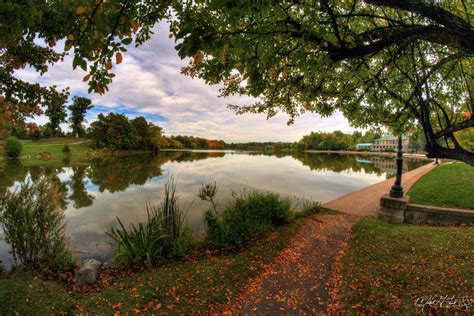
(448, 185)
(182, 287)
(49, 150)
(387, 266)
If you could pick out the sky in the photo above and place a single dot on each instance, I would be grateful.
(148, 83)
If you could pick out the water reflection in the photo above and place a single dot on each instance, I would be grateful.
(366, 164)
(97, 192)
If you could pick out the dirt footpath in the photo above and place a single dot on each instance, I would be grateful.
(299, 279)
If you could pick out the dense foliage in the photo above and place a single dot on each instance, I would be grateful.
(327, 56)
(336, 140)
(33, 222)
(245, 217)
(78, 108)
(56, 111)
(118, 132)
(327, 141)
(261, 146)
(192, 142)
(13, 147)
(391, 62)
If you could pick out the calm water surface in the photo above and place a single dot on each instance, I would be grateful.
(97, 192)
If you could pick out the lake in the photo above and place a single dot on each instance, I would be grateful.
(97, 192)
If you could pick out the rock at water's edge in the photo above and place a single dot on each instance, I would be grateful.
(88, 272)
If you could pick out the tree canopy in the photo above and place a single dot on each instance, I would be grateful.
(398, 63)
(78, 108)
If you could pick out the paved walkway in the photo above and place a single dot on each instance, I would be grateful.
(366, 202)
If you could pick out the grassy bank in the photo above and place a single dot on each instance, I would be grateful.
(448, 185)
(388, 266)
(50, 150)
(199, 283)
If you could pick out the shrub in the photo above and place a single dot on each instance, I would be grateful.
(308, 208)
(246, 217)
(33, 222)
(66, 149)
(13, 147)
(163, 236)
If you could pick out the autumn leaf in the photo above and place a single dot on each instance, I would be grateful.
(118, 58)
(80, 10)
(198, 58)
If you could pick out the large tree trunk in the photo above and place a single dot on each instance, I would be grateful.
(451, 153)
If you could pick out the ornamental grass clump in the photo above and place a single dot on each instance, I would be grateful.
(32, 218)
(245, 217)
(163, 236)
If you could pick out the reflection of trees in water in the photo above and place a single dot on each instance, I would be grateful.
(14, 171)
(183, 156)
(367, 164)
(77, 184)
(10, 172)
(118, 173)
(113, 174)
(337, 163)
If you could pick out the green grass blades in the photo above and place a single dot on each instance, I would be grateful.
(448, 185)
(163, 236)
(388, 266)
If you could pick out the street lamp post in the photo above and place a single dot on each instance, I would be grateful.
(397, 191)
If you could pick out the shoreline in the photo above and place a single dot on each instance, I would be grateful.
(368, 153)
(366, 201)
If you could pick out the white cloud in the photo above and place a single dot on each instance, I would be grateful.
(149, 82)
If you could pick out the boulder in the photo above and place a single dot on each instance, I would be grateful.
(88, 272)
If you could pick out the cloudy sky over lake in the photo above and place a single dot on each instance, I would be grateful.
(149, 83)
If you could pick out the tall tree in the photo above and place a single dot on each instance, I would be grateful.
(56, 110)
(294, 56)
(79, 108)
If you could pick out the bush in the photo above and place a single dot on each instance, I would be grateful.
(163, 236)
(13, 147)
(246, 217)
(33, 222)
(66, 149)
(309, 208)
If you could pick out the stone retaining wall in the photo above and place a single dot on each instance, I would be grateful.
(401, 211)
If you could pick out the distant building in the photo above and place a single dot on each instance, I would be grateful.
(390, 142)
(362, 146)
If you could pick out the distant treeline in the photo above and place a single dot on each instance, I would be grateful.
(314, 141)
(261, 146)
(336, 140)
(118, 132)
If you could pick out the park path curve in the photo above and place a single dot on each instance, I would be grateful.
(366, 202)
(299, 279)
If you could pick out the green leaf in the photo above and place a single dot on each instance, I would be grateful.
(127, 41)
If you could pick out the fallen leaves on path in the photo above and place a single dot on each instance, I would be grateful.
(299, 278)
